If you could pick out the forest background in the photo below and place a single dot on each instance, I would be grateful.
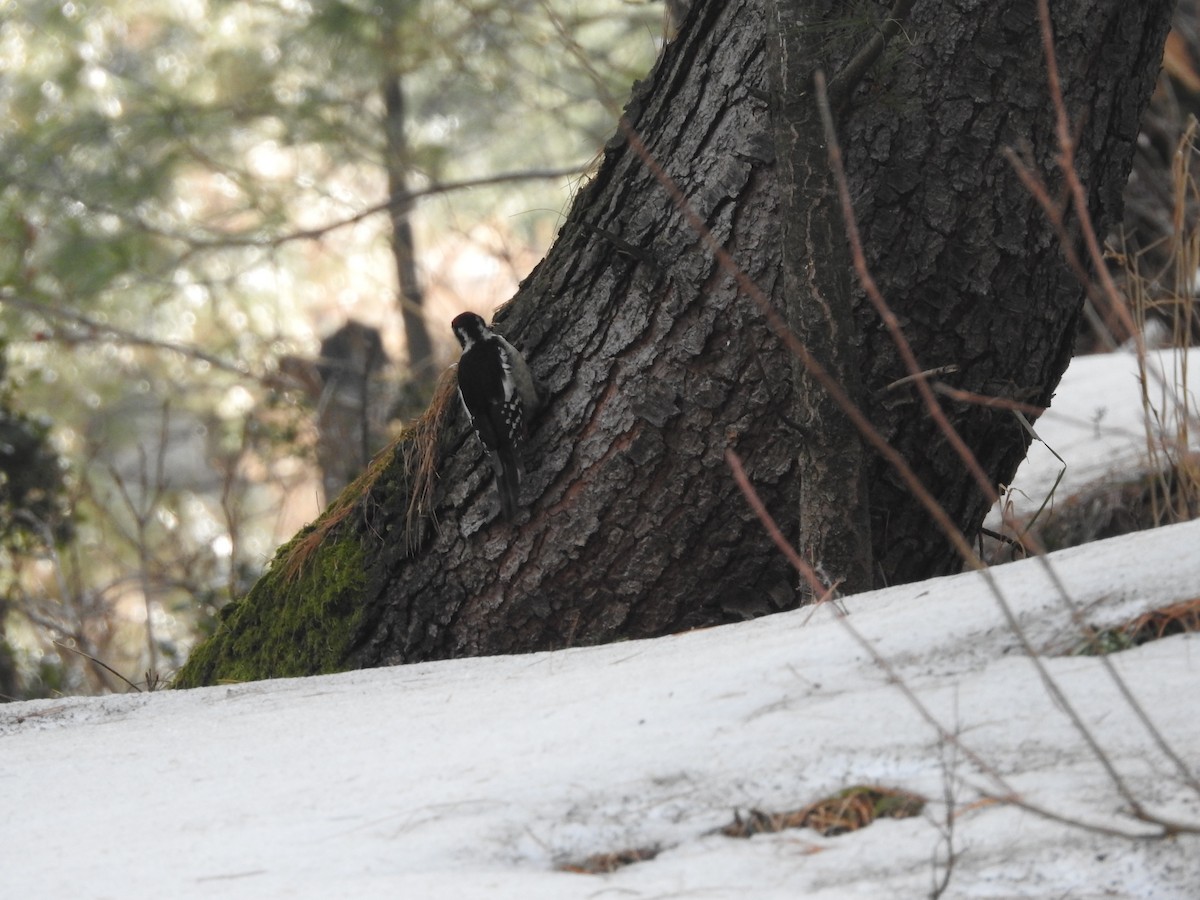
(198, 201)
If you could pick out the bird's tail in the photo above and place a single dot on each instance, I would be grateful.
(508, 481)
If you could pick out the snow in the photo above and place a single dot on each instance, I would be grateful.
(481, 778)
(1096, 422)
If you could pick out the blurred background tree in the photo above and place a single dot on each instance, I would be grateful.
(193, 195)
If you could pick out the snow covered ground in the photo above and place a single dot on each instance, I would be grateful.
(482, 778)
(1096, 422)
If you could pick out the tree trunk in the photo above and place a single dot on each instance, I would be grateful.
(352, 404)
(832, 467)
(656, 361)
(411, 296)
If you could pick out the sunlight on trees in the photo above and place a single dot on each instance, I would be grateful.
(195, 191)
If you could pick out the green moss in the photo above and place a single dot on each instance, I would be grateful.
(1101, 643)
(305, 615)
(288, 627)
(887, 804)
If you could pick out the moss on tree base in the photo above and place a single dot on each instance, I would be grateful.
(288, 626)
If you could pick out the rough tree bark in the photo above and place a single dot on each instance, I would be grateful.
(656, 361)
(833, 463)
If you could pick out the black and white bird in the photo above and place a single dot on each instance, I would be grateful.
(500, 397)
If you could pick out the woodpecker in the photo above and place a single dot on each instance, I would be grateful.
(500, 396)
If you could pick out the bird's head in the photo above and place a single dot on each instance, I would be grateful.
(468, 328)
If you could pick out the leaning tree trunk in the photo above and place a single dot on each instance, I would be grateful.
(656, 361)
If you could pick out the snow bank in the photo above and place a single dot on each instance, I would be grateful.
(479, 778)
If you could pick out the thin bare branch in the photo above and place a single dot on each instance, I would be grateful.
(890, 321)
(777, 325)
(849, 77)
(815, 583)
(95, 331)
(985, 400)
(1066, 162)
(396, 201)
(98, 662)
